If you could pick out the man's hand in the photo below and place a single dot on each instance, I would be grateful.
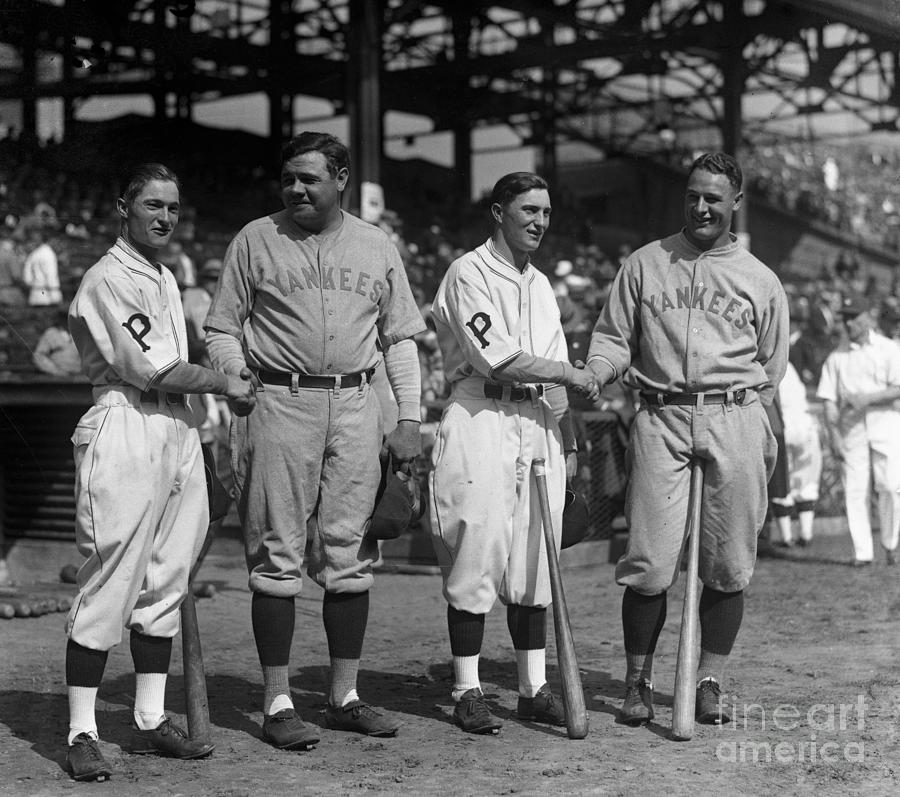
(405, 442)
(241, 391)
(585, 383)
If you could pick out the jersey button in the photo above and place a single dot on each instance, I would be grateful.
(695, 330)
(328, 367)
(331, 337)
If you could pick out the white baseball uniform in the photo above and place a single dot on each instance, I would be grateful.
(140, 490)
(486, 518)
(869, 436)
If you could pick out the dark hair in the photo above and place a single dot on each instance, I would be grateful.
(720, 163)
(136, 178)
(336, 154)
(508, 187)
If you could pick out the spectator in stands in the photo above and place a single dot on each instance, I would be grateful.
(196, 301)
(180, 264)
(55, 353)
(11, 267)
(41, 272)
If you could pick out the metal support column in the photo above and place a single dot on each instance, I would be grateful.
(364, 95)
(734, 76)
(281, 101)
(462, 134)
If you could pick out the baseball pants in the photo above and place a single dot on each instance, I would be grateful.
(308, 456)
(738, 447)
(141, 515)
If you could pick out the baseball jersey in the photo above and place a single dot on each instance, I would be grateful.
(487, 312)
(127, 321)
(321, 304)
(689, 321)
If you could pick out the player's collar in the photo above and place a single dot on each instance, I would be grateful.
(715, 251)
(505, 261)
(130, 256)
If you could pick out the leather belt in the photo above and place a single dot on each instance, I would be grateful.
(693, 399)
(515, 392)
(155, 396)
(286, 379)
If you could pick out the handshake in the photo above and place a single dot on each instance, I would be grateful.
(241, 391)
(584, 382)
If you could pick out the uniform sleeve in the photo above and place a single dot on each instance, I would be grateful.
(616, 332)
(233, 299)
(774, 343)
(138, 346)
(893, 366)
(827, 389)
(477, 324)
(398, 315)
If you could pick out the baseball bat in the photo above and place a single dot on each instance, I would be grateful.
(572, 690)
(195, 695)
(686, 666)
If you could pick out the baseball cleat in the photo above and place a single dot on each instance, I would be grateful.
(637, 708)
(543, 707)
(472, 714)
(286, 731)
(85, 761)
(169, 739)
(709, 708)
(360, 717)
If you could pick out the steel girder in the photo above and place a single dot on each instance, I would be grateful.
(611, 73)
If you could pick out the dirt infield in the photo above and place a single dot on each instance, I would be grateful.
(814, 684)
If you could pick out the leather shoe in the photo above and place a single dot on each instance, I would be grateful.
(85, 760)
(360, 717)
(543, 707)
(286, 731)
(638, 705)
(169, 739)
(709, 708)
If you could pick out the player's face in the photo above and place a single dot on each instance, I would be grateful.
(310, 193)
(151, 217)
(524, 220)
(709, 203)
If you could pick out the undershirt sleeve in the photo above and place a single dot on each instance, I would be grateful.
(401, 362)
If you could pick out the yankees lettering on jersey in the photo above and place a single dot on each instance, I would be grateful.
(716, 302)
(330, 279)
(693, 321)
(312, 303)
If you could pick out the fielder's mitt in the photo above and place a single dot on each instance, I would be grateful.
(397, 503)
(215, 492)
(575, 518)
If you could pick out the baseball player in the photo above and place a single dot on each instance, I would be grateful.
(860, 382)
(140, 490)
(504, 352)
(700, 327)
(309, 298)
(803, 452)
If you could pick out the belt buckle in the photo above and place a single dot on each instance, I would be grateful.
(740, 395)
